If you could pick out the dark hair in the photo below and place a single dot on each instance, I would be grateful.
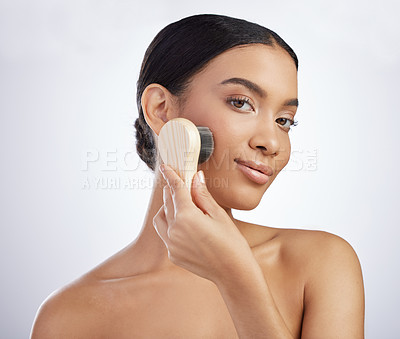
(182, 49)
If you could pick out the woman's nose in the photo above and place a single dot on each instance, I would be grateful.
(266, 139)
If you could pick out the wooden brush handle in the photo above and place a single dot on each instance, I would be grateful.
(179, 146)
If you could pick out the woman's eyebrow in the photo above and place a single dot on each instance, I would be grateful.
(291, 102)
(246, 83)
(257, 89)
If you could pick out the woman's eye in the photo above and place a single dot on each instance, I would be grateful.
(287, 123)
(242, 104)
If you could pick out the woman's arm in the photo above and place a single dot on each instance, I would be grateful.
(250, 303)
(334, 295)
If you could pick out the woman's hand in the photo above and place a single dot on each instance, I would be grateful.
(198, 233)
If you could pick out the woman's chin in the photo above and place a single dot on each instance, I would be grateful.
(243, 203)
(238, 196)
(248, 206)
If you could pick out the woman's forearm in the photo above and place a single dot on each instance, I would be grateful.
(251, 305)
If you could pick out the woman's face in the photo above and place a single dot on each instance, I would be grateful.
(247, 97)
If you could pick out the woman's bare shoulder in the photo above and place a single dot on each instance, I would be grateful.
(329, 272)
(316, 246)
(324, 256)
(310, 240)
(306, 240)
(85, 307)
(305, 248)
(67, 312)
(333, 283)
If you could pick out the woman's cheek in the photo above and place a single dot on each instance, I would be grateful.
(222, 154)
(284, 157)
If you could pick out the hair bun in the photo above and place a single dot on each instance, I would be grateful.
(145, 145)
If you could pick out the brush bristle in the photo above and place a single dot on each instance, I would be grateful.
(207, 144)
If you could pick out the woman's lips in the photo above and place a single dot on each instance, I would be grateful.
(255, 175)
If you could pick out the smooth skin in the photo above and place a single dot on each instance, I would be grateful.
(194, 271)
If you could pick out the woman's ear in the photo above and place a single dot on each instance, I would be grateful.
(158, 106)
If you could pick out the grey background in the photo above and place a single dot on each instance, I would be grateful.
(68, 74)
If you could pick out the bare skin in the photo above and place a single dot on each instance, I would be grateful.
(313, 281)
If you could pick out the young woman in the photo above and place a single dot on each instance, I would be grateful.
(194, 271)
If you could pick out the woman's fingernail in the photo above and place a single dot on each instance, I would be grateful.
(201, 177)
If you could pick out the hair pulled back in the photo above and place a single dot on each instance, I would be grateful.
(182, 49)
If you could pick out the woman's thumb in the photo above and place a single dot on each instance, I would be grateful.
(201, 195)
